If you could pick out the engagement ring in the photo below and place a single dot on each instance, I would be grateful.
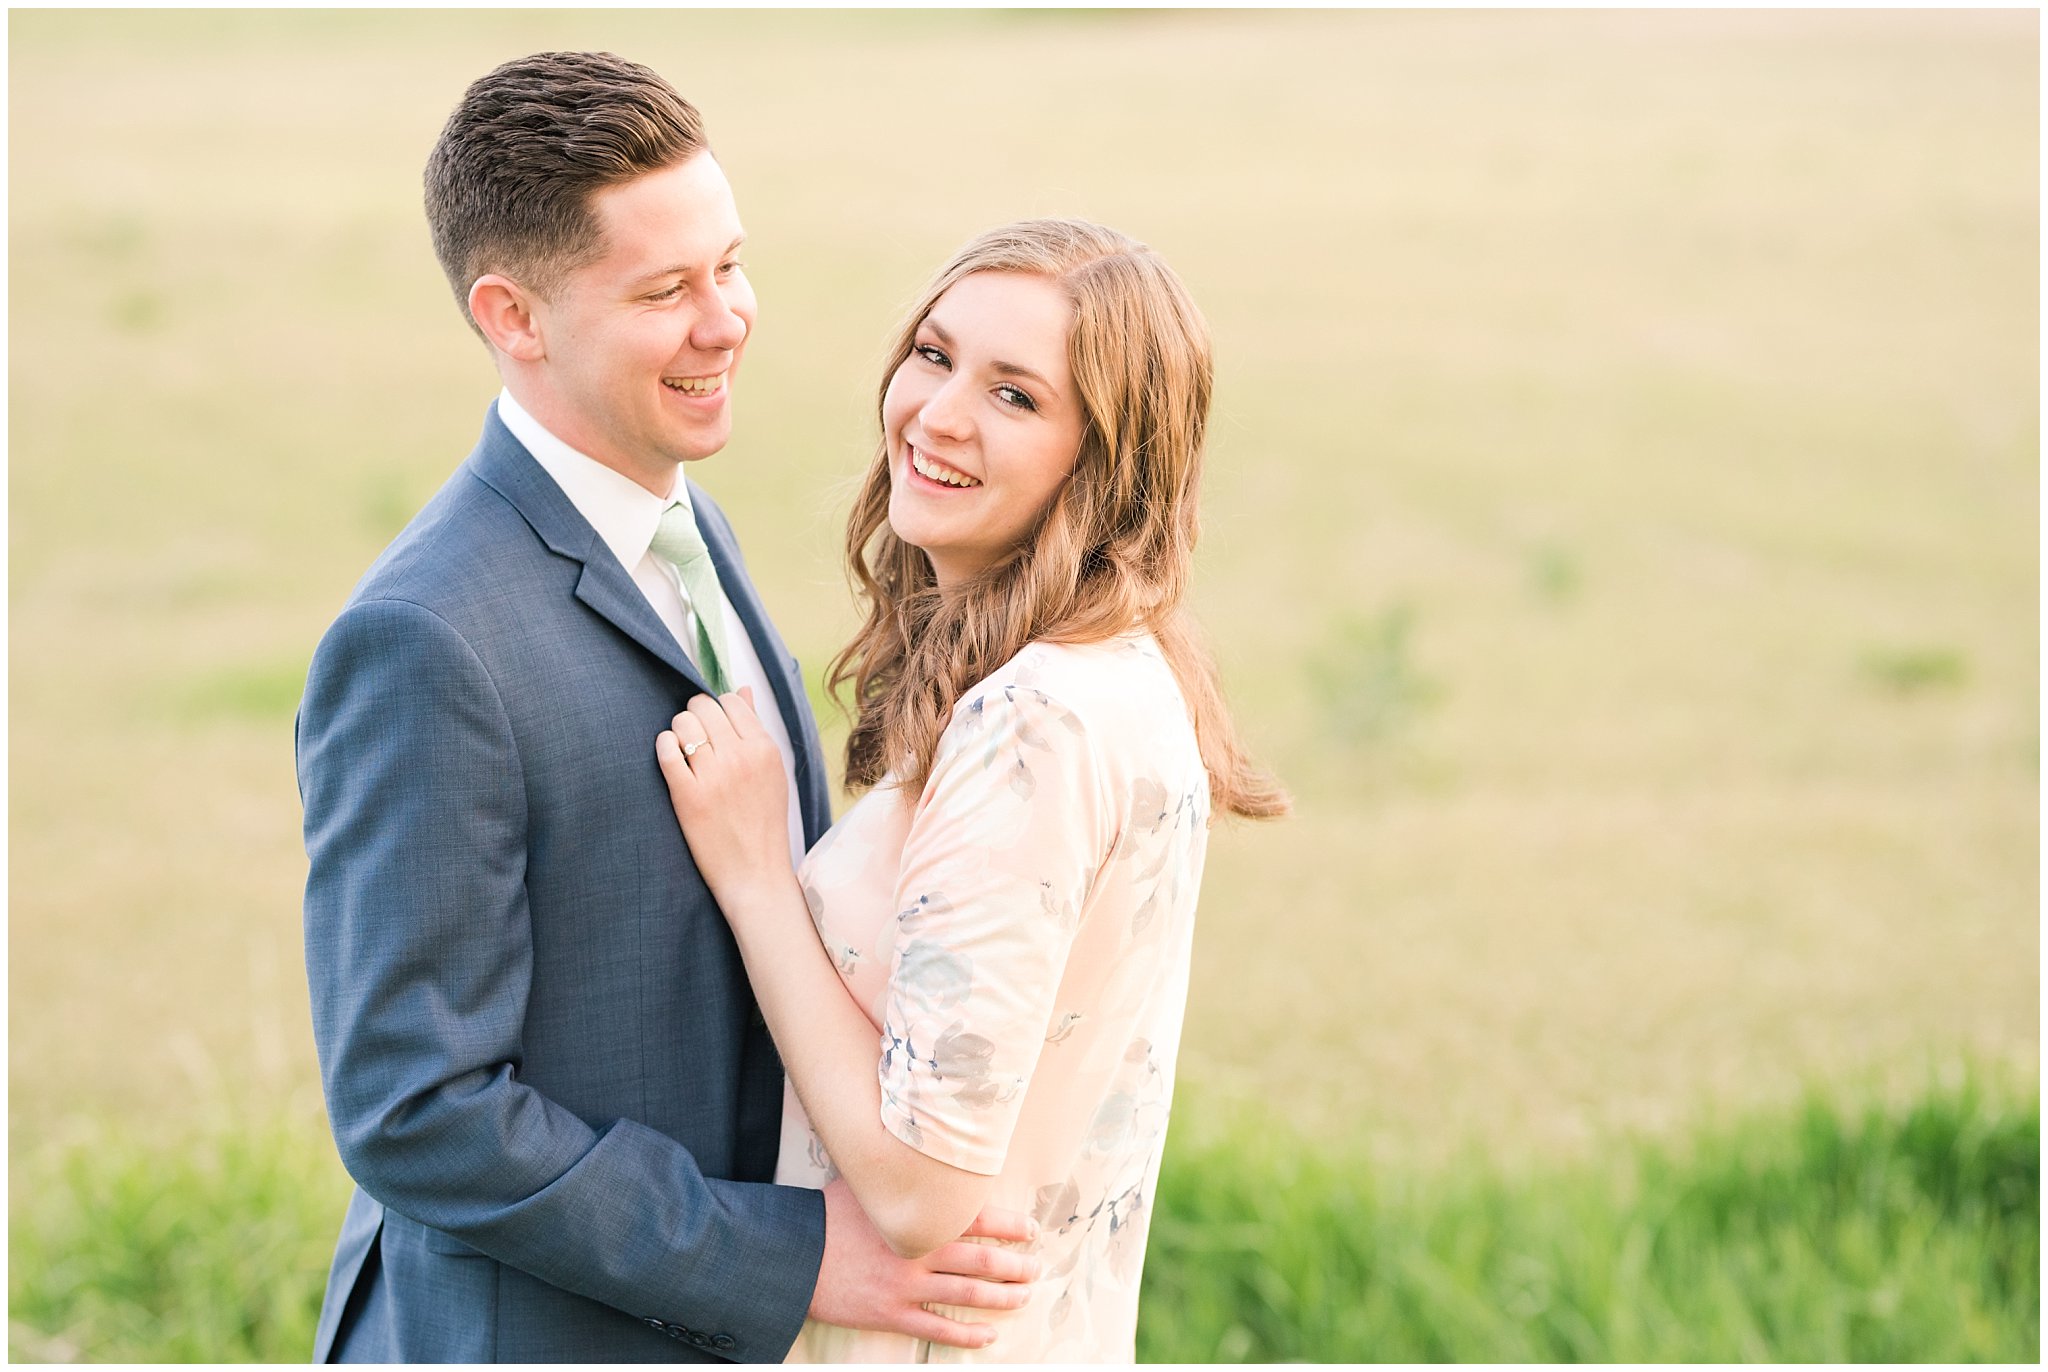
(689, 748)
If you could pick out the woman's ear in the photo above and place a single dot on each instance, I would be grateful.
(505, 312)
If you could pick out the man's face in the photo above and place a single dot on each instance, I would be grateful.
(641, 346)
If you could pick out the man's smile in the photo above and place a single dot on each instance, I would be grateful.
(695, 385)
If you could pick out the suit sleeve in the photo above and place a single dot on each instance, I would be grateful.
(419, 954)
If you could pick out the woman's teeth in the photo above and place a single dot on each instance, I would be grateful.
(938, 471)
(695, 385)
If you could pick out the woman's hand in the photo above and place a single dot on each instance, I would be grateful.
(726, 782)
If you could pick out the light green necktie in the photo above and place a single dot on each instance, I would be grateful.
(677, 540)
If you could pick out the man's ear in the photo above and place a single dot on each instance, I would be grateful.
(504, 310)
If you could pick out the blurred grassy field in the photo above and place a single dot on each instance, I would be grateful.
(1622, 526)
(1833, 1232)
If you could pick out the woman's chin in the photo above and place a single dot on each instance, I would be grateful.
(908, 526)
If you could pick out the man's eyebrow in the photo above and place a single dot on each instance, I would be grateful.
(1003, 368)
(684, 268)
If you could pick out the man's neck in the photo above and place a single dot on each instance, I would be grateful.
(566, 429)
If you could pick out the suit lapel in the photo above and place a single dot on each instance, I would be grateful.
(605, 588)
(790, 696)
(503, 464)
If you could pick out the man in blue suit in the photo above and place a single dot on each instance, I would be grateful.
(542, 1062)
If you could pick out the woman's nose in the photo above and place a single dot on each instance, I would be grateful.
(945, 415)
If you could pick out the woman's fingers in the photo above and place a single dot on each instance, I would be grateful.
(715, 729)
(675, 770)
(740, 712)
(689, 732)
(710, 715)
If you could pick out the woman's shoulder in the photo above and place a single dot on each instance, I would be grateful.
(1103, 724)
(1118, 689)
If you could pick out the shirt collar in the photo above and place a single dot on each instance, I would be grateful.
(624, 513)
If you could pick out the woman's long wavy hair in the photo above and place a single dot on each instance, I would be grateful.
(1114, 550)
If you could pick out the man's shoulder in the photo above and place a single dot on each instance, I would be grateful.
(497, 513)
(463, 541)
(464, 581)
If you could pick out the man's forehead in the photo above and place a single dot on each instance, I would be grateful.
(663, 223)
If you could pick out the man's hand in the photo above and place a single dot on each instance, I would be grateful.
(862, 1285)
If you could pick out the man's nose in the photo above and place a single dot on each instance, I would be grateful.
(720, 328)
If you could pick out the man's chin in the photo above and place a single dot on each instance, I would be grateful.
(695, 447)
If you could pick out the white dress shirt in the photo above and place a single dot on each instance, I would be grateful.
(625, 515)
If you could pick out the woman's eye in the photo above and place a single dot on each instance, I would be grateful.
(1011, 395)
(932, 355)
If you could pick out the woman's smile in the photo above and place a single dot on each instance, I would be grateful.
(939, 473)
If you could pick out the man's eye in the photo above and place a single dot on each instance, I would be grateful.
(1013, 396)
(671, 293)
(728, 268)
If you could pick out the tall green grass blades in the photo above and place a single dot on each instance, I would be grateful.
(1826, 1234)
(215, 1248)
(1829, 1234)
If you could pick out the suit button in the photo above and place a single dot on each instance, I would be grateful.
(651, 1322)
(722, 1342)
(699, 1339)
(675, 1331)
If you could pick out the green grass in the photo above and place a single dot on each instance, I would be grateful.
(213, 1248)
(1831, 1233)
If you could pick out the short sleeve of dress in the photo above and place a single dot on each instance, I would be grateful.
(1003, 849)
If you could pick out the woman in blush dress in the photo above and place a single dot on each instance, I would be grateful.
(977, 978)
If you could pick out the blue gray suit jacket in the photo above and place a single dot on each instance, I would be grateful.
(543, 1065)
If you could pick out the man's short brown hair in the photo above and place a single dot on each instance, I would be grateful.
(509, 182)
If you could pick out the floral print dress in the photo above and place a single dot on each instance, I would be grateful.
(1019, 934)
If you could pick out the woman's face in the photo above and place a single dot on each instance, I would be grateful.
(981, 421)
